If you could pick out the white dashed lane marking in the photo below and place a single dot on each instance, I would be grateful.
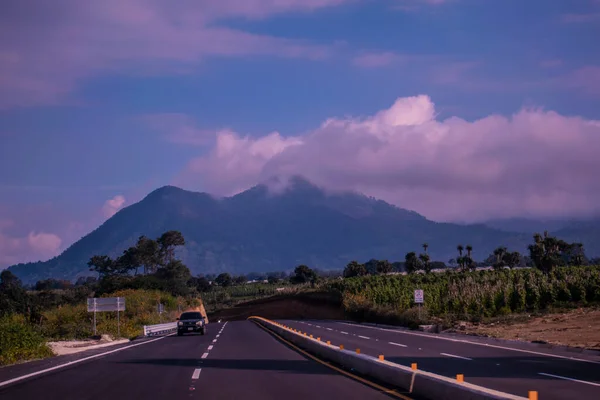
(455, 356)
(397, 344)
(364, 337)
(204, 355)
(210, 347)
(196, 373)
(569, 379)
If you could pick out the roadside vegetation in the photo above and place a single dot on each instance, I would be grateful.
(558, 275)
(146, 275)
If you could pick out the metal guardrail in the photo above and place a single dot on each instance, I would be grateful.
(159, 329)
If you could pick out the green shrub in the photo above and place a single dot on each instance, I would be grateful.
(20, 341)
(75, 322)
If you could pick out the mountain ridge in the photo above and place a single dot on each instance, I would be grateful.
(264, 230)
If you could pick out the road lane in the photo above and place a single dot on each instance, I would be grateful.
(248, 362)
(234, 360)
(129, 374)
(500, 369)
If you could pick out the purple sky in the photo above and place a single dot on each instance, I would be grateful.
(462, 110)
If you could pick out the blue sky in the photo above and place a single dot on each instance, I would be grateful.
(118, 98)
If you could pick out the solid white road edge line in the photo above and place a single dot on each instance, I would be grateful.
(204, 355)
(196, 373)
(398, 344)
(19, 378)
(455, 356)
(570, 379)
(475, 343)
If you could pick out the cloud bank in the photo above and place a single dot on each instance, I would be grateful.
(534, 163)
(33, 247)
(138, 36)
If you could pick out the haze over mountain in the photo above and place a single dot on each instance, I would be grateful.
(261, 230)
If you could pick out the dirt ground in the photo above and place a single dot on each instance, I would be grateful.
(577, 328)
(277, 307)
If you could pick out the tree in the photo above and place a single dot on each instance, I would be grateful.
(174, 278)
(371, 266)
(202, 284)
(13, 297)
(272, 279)
(425, 247)
(575, 254)
(460, 249)
(469, 249)
(512, 259)
(104, 266)
(51, 284)
(546, 252)
(148, 252)
(413, 264)
(130, 260)
(303, 274)
(224, 279)
(424, 262)
(354, 268)
(499, 253)
(240, 280)
(384, 267)
(167, 243)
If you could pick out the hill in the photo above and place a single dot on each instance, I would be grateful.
(258, 230)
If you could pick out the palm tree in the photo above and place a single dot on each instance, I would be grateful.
(460, 249)
(500, 254)
(425, 247)
(469, 249)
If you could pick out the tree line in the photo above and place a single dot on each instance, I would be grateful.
(545, 253)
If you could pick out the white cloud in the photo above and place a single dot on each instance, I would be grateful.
(113, 205)
(534, 162)
(34, 247)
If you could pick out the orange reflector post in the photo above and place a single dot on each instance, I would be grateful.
(357, 351)
(413, 366)
(533, 395)
(311, 336)
(319, 339)
(460, 378)
(329, 342)
(341, 347)
(381, 357)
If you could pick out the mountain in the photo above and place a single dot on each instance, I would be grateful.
(258, 230)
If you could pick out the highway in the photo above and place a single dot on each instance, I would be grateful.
(234, 360)
(514, 369)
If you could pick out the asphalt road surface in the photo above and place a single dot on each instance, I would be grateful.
(514, 369)
(236, 360)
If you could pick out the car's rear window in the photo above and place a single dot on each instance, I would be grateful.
(191, 315)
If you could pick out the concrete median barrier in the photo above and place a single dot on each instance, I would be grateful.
(421, 383)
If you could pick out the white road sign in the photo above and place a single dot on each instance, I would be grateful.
(419, 296)
(99, 304)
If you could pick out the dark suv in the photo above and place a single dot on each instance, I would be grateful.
(191, 322)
